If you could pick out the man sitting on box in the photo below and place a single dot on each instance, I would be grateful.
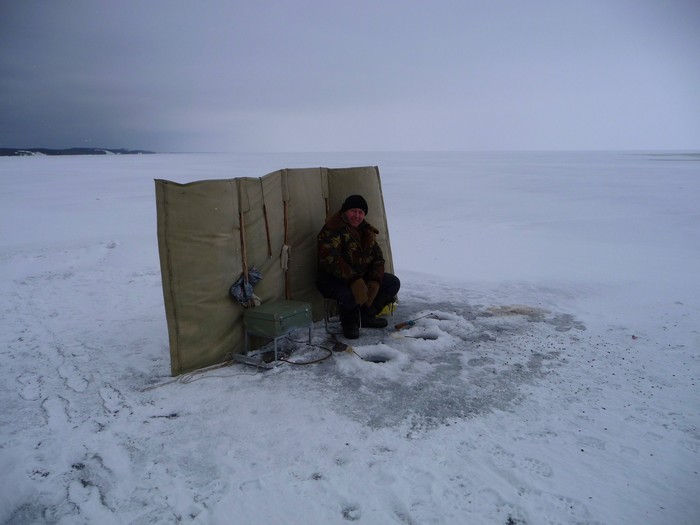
(351, 268)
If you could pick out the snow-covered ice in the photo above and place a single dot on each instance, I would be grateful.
(554, 380)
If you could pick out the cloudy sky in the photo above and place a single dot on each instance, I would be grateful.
(332, 75)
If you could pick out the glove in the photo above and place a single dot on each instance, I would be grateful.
(359, 291)
(372, 291)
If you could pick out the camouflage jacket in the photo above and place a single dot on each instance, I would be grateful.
(349, 254)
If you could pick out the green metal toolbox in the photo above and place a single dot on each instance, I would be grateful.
(276, 319)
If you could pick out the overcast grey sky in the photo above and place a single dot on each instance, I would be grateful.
(325, 75)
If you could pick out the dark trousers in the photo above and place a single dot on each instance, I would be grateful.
(332, 288)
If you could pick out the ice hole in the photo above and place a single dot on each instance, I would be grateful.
(377, 357)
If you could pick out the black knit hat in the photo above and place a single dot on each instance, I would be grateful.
(355, 201)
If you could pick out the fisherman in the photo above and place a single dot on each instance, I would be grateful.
(351, 268)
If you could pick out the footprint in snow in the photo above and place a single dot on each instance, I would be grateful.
(56, 412)
(72, 378)
(507, 461)
(112, 399)
(31, 386)
(538, 467)
(351, 513)
(565, 322)
(481, 361)
(591, 442)
(502, 458)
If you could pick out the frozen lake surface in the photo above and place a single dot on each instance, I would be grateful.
(554, 381)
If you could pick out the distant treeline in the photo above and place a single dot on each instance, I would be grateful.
(20, 152)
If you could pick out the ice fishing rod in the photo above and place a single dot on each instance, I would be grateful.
(410, 322)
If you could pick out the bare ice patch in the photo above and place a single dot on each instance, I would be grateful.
(450, 364)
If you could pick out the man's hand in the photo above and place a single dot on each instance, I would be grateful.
(359, 291)
(372, 291)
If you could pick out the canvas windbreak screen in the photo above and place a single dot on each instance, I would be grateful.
(213, 232)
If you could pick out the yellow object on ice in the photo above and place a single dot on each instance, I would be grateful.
(387, 310)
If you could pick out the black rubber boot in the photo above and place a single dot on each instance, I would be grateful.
(370, 320)
(349, 322)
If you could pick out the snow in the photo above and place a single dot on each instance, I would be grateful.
(553, 380)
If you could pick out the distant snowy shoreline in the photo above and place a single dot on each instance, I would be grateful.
(28, 152)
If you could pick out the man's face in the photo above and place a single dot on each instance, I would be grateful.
(354, 216)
